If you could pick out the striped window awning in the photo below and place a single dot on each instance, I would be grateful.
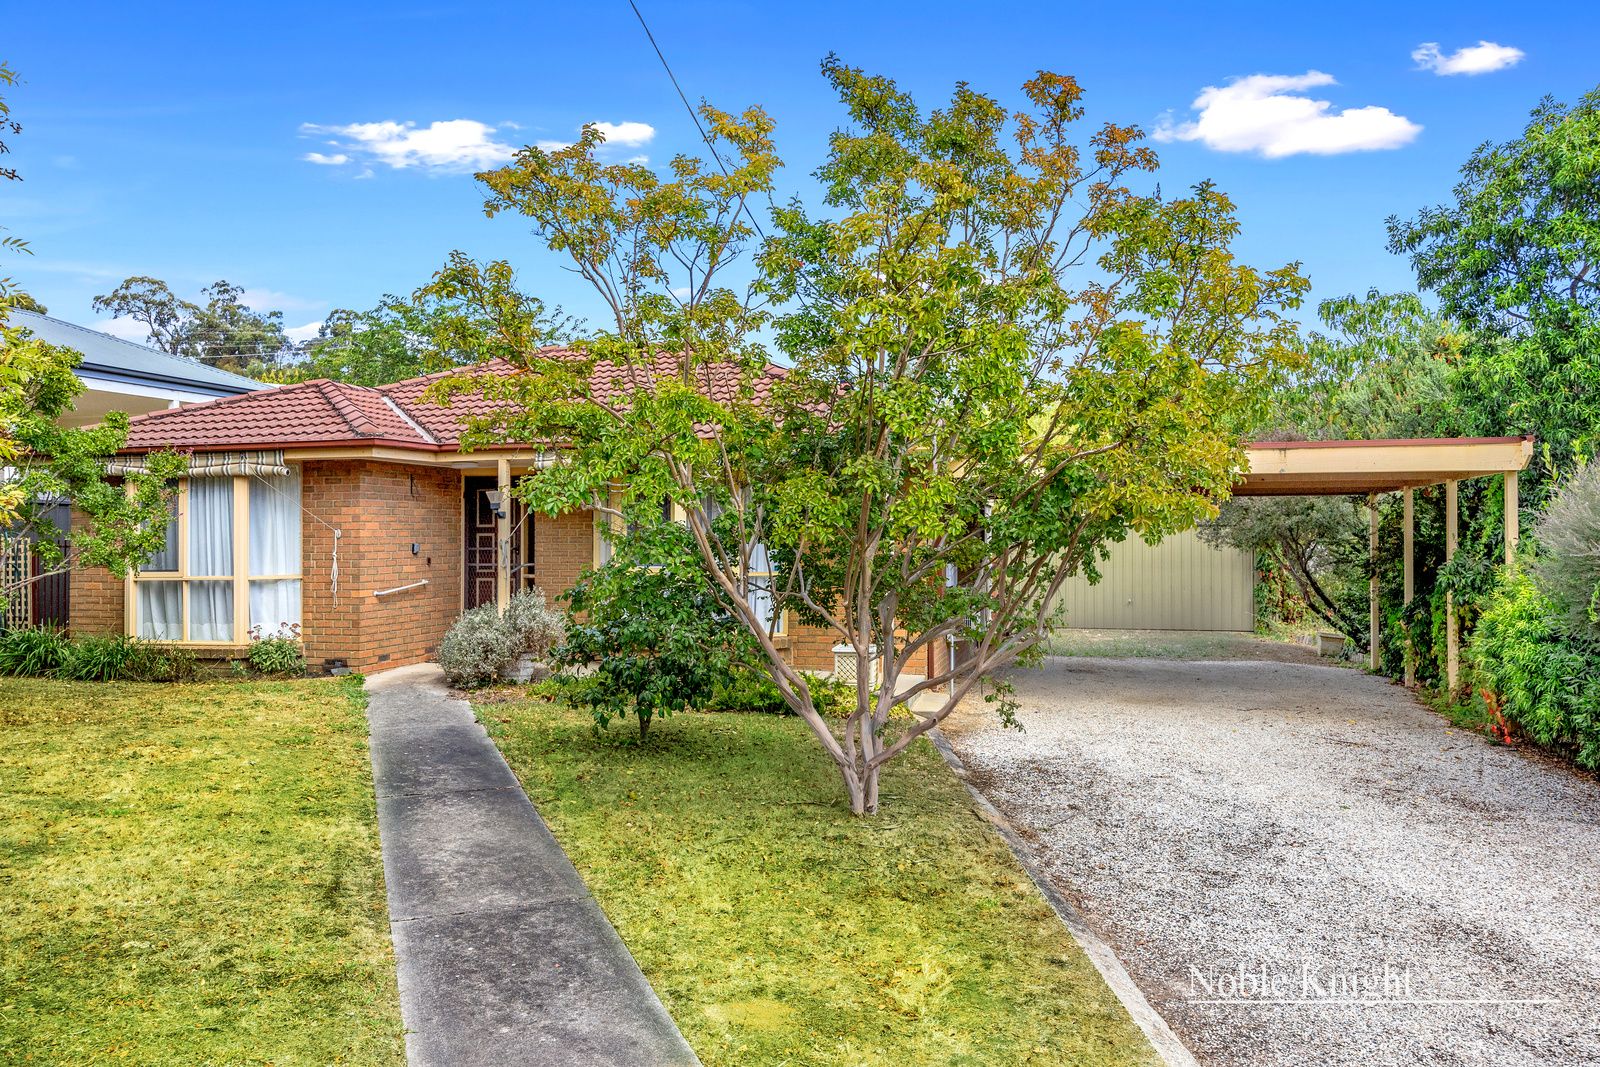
(214, 464)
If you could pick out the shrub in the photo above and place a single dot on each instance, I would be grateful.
(150, 662)
(1545, 683)
(278, 653)
(746, 690)
(32, 650)
(98, 658)
(1567, 569)
(653, 633)
(477, 647)
(535, 627)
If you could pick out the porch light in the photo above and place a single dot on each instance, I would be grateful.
(497, 501)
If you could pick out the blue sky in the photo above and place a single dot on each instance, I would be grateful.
(162, 141)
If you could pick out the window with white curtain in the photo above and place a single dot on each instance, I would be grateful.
(230, 566)
(759, 592)
(275, 554)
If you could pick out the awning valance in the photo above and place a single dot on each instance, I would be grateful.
(214, 464)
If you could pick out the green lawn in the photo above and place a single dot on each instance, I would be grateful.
(780, 930)
(191, 875)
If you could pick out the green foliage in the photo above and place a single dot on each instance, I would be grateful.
(745, 690)
(98, 658)
(279, 653)
(1544, 681)
(32, 651)
(476, 648)
(652, 635)
(45, 652)
(439, 327)
(1567, 568)
(149, 661)
(222, 331)
(1319, 543)
(1516, 258)
(1003, 356)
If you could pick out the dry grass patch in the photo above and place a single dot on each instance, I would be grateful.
(191, 875)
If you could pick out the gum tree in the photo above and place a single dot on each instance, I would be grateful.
(1001, 356)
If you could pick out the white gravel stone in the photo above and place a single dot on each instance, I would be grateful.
(1216, 819)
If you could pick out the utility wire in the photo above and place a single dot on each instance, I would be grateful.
(693, 114)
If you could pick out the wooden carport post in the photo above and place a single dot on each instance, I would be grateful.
(1511, 517)
(1372, 583)
(1452, 628)
(1408, 539)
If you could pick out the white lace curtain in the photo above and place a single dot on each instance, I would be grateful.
(211, 555)
(274, 551)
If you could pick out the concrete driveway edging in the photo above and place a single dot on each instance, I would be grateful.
(502, 954)
(1162, 1037)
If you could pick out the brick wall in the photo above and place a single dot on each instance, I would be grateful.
(382, 509)
(562, 547)
(95, 598)
(405, 506)
(810, 647)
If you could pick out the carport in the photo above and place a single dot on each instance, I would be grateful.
(1346, 468)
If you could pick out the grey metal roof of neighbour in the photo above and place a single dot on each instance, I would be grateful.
(105, 354)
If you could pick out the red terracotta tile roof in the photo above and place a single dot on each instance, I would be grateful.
(330, 414)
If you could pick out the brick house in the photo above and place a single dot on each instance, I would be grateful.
(352, 514)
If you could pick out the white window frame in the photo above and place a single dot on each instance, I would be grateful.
(241, 576)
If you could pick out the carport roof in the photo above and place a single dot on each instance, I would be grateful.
(1337, 468)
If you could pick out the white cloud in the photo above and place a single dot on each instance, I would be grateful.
(303, 333)
(451, 145)
(1481, 58)
(627, 134)
(127, 329)
(1270, 115)
(264, 300)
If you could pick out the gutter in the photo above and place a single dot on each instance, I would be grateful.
(188, 384)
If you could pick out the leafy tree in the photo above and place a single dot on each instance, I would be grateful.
(1516, 259)
(1567, 567)
(21, 301)
(404, 337)
(1003, 358)
(1317, 541)
(222, 331)
(386, 344)
(41, 462)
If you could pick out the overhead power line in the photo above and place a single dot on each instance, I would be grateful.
(693, 114)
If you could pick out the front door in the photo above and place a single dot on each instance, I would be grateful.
(482, 555)
(481, 551)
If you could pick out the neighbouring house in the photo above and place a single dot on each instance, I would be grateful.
(120, 375)
(350, 514)
(117, 375)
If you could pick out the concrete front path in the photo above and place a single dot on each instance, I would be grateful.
(504, 957)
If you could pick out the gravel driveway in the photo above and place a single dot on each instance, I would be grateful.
(1296, 832)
